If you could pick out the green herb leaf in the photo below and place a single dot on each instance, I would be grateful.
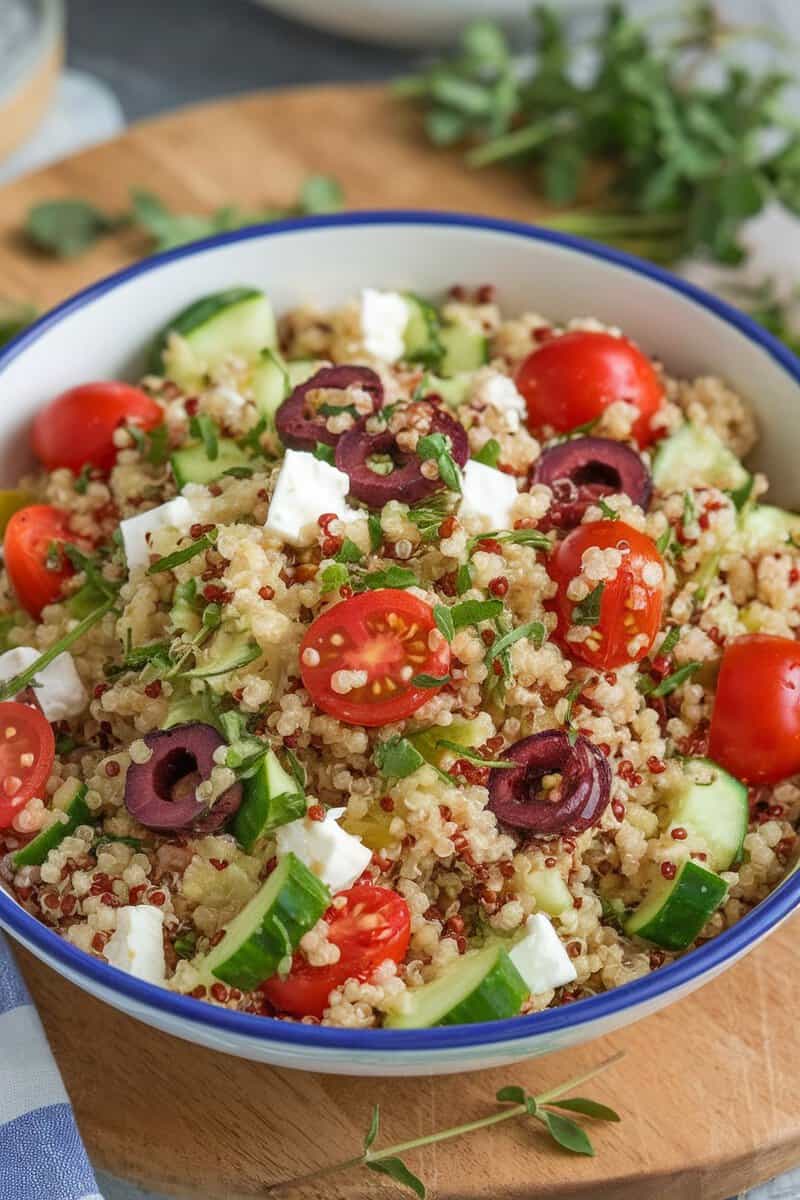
(587, 612)
(65, 744)
(572, 696)
(375, 532)
(203, 428)
(349, 552)
(589, 1108)
(186, 945)
(473, 756)
(325, 453)
(463, 578)
(516, 537)
(374, 1126)
(392, 577)
(437, 447)
(170, 561)
(15, 315)
(429, 514)
(397, 1170)
(489, 453)
(397, 758)
(668, 685)
(534, 630)
(297, 769)
(82, 480)
(471, 612)
(158, 450)
(333, 577)
(566, 1133)
(12, 687)
(429, 681)
(445, 622)
(608, 512)
(512, 1095)
(66, 228)
(671, 639)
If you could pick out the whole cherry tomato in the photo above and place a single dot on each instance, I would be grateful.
(34, 555)
(77, 428)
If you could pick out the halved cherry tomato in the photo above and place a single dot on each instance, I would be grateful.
(630, 603)
(77, 428)
(35, 561)
(572, 378)
(755, 725)
(374, 924)
(390, 637)
(27, 752)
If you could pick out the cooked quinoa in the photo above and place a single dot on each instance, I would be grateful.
(436, 831)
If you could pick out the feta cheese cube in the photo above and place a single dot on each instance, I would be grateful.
(58, 686)
(137, 946)
(540, 957)
(306, 488)
(384, 316)
(330, 852)
(177, 513)
(493, 389)
(487, 493)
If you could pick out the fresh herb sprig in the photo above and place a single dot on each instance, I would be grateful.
(543, 1108)
(685, 158)
(12, 687)
(66, 228)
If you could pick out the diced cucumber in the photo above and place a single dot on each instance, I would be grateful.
(9, 621)
(549, 891)
(675, 910)
(464, 350)
(272, 798)
(692, 456)
(11, 501)
(421, 337)
(75, 811)
(268, 930)
(482, 985)
(469, 734)
(230, 650)
(453, 391)
(191, 464)
(186, 707)
(237, 322)
(271, 385)
(301, 369)
(715, 812)
(764, 528)
(187, 607)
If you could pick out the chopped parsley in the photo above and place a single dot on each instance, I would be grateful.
(430, 681)
(648, 687)
(334, 577)
(392, 577)
(349, 552)
(204, 429)
(397, 758)
(489, 453)
(534, 630)
(169, 561)
(445, 623)
(471, 612)
(437, 446)
(587, 612)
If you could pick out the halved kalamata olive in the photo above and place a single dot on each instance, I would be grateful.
(301, 429)
(404, 480)
(160, 793)
(576, 803)
(583, 470)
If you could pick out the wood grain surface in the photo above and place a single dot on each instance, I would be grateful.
(709, 1090)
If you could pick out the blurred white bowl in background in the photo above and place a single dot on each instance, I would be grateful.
(408, 22)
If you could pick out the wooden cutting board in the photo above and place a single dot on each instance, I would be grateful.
(709, 1090)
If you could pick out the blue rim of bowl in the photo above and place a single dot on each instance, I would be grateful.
(711, 956)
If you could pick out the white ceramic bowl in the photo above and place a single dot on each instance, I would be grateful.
(103, 333)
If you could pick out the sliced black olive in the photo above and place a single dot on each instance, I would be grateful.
(160, 793)
(576, 803)
(404, 479)
(582, 470)
(301, 429)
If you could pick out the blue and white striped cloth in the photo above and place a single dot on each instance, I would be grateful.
(42, 1156)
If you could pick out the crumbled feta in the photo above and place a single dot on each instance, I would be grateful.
(330, 852)
(306, 488)
(58, 686)
(540, 957)
(496, 390)
(137, 946)
(487, 493)
(177, 513)
(384, 316)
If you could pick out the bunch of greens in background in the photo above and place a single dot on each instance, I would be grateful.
(14, 316)
(681, 161)
(66, 228)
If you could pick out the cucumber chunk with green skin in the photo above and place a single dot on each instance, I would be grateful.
(268, 930)
(675, 910)
(271, 385)
(482, 985)
(230, 650)
(712, 807)
(464, 350)
(191, 464)
(421, 337)
(765, 528)
(549, 890)
(453, 391)
(271, 798)
(237, 322)
(692, 456)
(76, 812)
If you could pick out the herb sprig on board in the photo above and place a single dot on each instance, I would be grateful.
(548, 1109)
(674, 141)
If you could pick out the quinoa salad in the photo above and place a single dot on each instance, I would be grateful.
(406, 664)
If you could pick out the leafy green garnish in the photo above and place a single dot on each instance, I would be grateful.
(471, 612)
(648, 686)
(324, 453)
(15, 315)
(514, 537)
(429, 681)
(437, 447)
(185, 945)
(397, 758)
(534, 630)
(392, 577)
(349, 552)
(333, 577)
(443, 616)
(12, 687)
(205, 430)
(375, 532)
(587, 612)
(473, 756)
(429, 514)
(170, 561)
(68, 227)
(489, 453)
